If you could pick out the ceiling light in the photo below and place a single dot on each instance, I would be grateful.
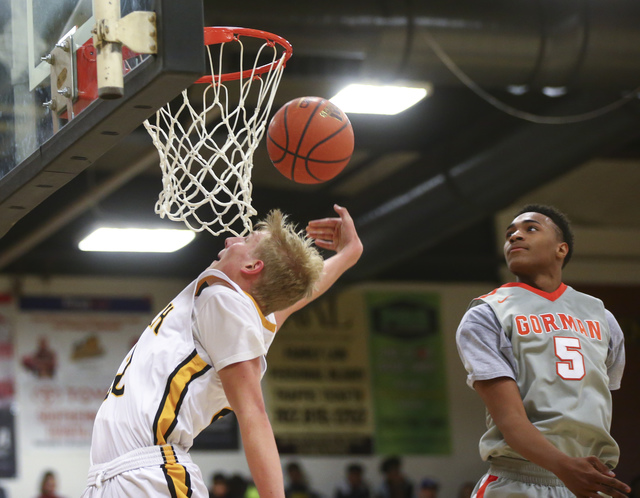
(517, 89)
(554, 91)
(377, 99)
(136, 240)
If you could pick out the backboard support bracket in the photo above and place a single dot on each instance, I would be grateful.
(63, 78)
(137, 31)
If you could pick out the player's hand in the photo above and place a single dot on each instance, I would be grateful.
(337, 234)
(586, 476)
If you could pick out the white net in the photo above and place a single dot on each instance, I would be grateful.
(206, 147)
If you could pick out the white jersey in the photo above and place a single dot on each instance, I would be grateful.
(167, 389)
(565, 352)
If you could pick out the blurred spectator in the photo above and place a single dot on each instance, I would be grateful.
(219, 487)
(48, 485)
(237, 486)
(354, 485)
(394, 484)
(428, 488)
(297, 483)
(466, 489)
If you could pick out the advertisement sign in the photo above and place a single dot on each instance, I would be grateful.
(408, 373)
(67, 354)
(317, 383)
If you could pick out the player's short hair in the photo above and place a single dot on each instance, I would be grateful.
(292, 265)
(559, 219)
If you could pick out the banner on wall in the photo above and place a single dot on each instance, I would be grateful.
(68, 351)
(408, 373)
(361, 372)
(317, 385)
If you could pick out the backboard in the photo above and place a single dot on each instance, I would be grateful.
(53, 125)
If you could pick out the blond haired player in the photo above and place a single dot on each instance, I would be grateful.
(543, 358)
(204, 355)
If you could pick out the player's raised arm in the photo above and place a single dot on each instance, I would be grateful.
(335, 234)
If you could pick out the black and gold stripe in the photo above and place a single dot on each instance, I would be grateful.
(175, 391)
(178, 479)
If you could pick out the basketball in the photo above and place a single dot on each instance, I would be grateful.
(310, 140)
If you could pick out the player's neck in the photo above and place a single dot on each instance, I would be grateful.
(544, 282)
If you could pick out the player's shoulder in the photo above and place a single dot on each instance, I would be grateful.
(216, 289)
(496, 294)
(571, 292)
(478, 311)
(488, 294)
(216, 283)
(221, 292)
(478, 318)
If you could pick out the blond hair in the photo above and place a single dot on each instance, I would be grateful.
(292, 266)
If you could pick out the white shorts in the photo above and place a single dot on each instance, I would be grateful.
(156, 471)
(510, 478)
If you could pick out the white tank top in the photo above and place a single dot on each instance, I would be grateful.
(167, 389)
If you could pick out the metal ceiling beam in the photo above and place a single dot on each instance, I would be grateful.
(412, 219)
(538, 43)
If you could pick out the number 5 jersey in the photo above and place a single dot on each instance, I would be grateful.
(564, 350)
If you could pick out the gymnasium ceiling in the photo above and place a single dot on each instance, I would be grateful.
(425, 186)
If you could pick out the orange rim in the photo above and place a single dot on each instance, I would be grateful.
(220, 34)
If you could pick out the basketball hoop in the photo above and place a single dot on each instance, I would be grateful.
(206, 155)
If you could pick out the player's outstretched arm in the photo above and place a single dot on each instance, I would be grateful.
(583, 476)
(241, 383)
(335, 234)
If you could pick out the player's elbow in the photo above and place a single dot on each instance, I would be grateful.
(254, 414)
(250, 409)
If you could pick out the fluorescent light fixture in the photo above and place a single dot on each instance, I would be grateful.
(517, 89)
(378, 99)
(554, 91)
(136, 240)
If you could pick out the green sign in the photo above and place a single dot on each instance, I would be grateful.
(408, 373)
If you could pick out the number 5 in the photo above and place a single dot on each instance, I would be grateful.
(571, 366)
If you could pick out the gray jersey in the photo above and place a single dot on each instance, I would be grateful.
(563, 349)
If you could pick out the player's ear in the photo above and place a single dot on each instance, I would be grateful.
(253, 268)
(562, 250)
